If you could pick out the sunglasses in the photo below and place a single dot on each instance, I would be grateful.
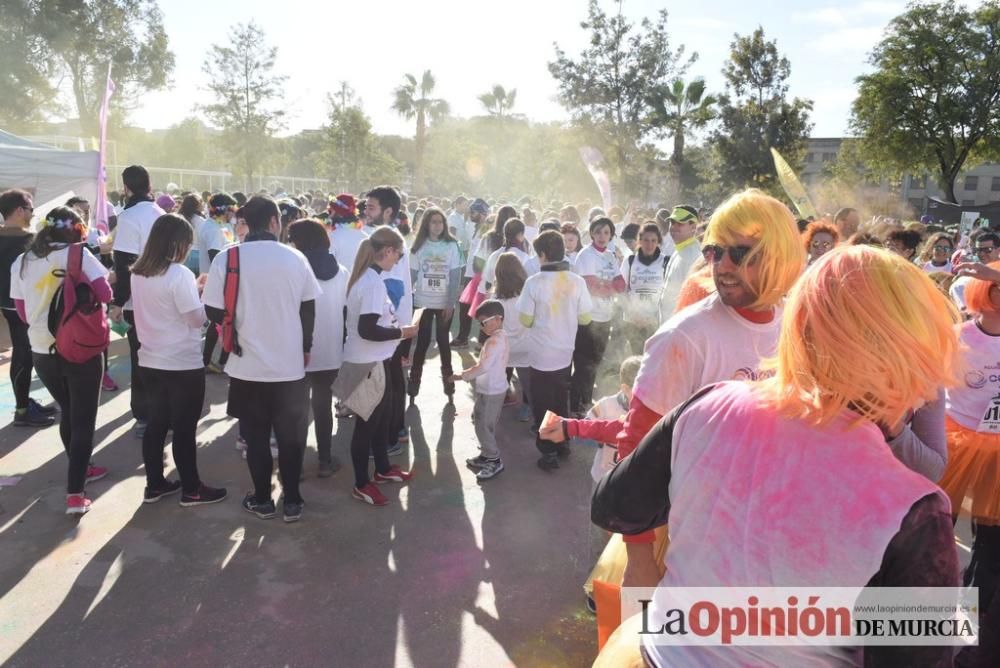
(984, 250)
(713, 253)
(482, 323)
(942, 249)
(821, 244)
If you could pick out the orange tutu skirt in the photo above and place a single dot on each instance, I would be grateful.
(973, 470)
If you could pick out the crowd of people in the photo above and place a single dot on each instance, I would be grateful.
(847, 369)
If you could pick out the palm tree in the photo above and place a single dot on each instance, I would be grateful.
(499, 101)
(682, 108)
(413, 100)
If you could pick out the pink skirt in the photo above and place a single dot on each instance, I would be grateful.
(471, 290)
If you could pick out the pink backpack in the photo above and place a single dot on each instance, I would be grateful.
(76, 317)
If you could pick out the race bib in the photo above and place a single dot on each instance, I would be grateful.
(434, 277)
(990, 424)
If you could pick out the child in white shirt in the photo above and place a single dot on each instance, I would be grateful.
(490, 375)
(613, 407)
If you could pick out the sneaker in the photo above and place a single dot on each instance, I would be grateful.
(524, 413)
(459, 344)
(404, 436)
(562, 452)
(204, 496)
(166, 488)
(476, 462)
(328, 468)
(51, 409)
(139, 429)
(491, 469)
(291, 512)
(31, 417)
(370, 494)
(214, 368)
(264, 511)
(510, 399)
(108, 384)
(548, 463)
(394, 450)
(77, 504)
(95, 473)
(394, 474)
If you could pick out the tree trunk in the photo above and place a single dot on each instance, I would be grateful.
(678, 156)
(418, 167)
(948, 186)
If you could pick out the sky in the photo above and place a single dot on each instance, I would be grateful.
(470, 45)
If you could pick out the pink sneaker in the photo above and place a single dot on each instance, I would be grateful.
(95, 473)
(108, 384)
(77, 504)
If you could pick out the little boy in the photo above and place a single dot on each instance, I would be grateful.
(613, 407)
(490, 375)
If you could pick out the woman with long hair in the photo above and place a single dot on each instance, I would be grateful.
(936, 254)
(310, 237)
(510, 278)
(436, 269)
(373, 333)
(644, 272)
(169, 316)
(76, 387)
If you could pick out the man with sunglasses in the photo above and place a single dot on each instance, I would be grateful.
(984, 243)
(683, 226)
(756, 255)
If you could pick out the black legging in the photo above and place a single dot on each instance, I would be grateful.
(321, 397)
(591, 344)
(176, 399)
(371, 436)
(464, 322)
(549, 392)
(77, 390)
(441, 330)
(20, 358)
(396, 417)
(211, 339)
(139, 402)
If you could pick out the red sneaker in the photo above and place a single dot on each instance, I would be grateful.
(370, 494)
(394, 474)
(77, 504)
(95, 473)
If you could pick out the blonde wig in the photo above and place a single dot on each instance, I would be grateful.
(865, 330)
(779, 252)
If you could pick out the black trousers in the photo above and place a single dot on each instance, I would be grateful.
(636, 336)
(371, 436)
(284, 408)
(984, 567)
(432, 319)
(591, 344)
(321, 398)
(396, 416)
(464, 321)
(139, 399)
(77, 390)
(549, 392)
(20, 358)
(176, 399)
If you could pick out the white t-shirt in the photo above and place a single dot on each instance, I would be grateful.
(967, 403)
(957, 291)
(677, 272)
(529, 262)
(518, 336)
(459, 229)
(134, 225)
(433, 264)
(196, 222)
(369, 295)
(400, 272)
(38, 286)
(160, 302)
(213, 236)
(479, 250)
(605, 266)
(328, 334)
(930, 267)
(643, 285)
(705, 343)
(556, 300)
(274, 281)
(492, 376)
(344, 243)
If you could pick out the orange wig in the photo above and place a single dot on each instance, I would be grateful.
(863, 330)
(817, 227)
(977, 294)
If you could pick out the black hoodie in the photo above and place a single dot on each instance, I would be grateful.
(323, 263)
(13, 242)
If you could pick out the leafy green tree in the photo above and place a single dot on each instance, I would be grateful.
(499, 101)
(186, 145)
(350, 153)
(933, 101)
(755, 114)
(247, 96)
(83, 36)
(682, 108)
(26, 66)
(412, 100)
(607, 88)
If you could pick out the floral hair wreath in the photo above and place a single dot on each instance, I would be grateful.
(221, 210)
(61, 224)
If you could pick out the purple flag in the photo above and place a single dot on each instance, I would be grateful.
(101, 205)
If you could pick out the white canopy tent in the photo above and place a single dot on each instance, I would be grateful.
(46, 172)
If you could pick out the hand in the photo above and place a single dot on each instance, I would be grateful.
(409, 331)
(305, 359)
(112, 277)
(200, 282)
(115, 313)
(552, 432)
(977, 270)
(641, 570)
(455, 377)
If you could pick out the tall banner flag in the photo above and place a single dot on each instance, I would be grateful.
(793, 188)
(594, 161)
(101, 205)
